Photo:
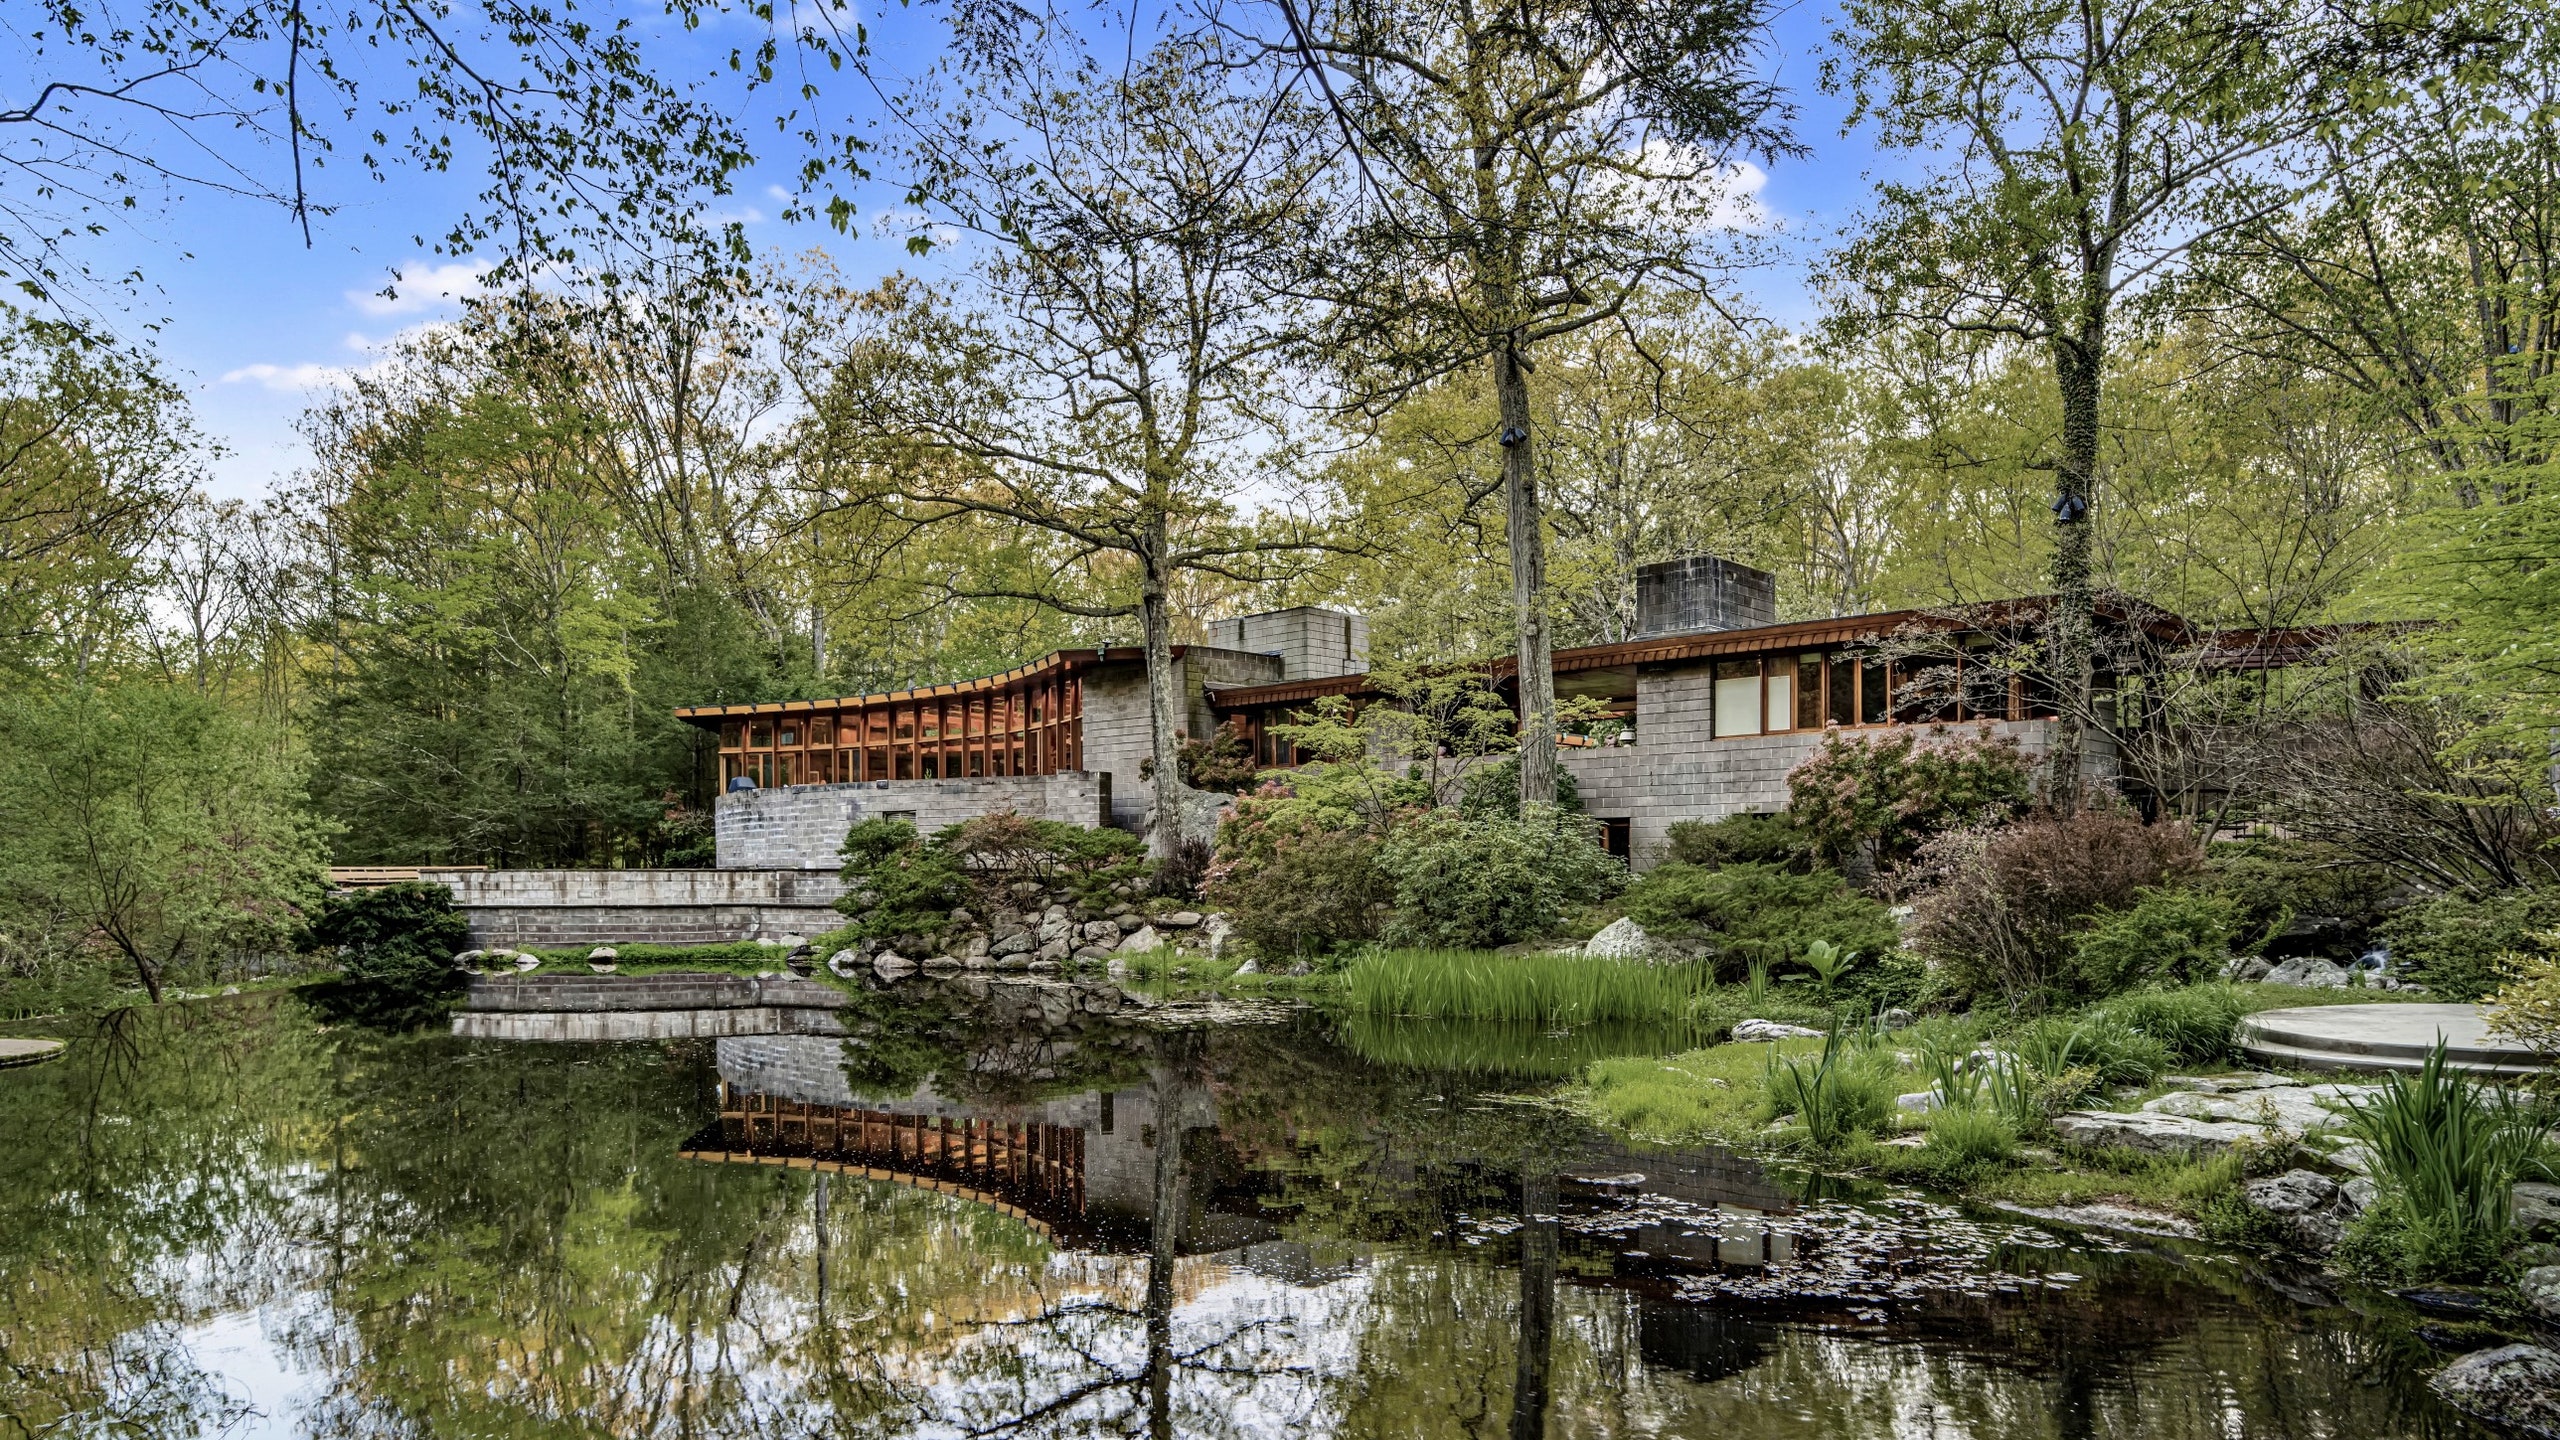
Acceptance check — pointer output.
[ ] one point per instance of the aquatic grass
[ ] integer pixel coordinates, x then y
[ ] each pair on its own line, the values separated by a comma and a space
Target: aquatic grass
1842, 1090
2194, 1022
1548, 990
1715, 1093
1511, 1049
2115, 1052
1966, 1137
2448, 1149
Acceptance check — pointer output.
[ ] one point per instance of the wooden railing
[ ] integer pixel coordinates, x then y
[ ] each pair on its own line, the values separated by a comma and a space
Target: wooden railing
1019, 1167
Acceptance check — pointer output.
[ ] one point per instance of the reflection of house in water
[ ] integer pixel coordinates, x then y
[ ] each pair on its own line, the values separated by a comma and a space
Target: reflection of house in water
1080, 1168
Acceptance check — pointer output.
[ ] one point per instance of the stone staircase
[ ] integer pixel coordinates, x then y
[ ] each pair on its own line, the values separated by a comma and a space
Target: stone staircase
2380, 1037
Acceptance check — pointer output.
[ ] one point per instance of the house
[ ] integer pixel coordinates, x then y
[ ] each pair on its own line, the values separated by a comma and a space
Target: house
1715, 699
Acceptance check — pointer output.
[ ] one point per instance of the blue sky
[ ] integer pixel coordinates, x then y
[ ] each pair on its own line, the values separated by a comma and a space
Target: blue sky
256, 327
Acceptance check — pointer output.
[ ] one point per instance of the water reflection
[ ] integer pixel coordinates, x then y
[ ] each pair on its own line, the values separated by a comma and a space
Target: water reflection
228, 1219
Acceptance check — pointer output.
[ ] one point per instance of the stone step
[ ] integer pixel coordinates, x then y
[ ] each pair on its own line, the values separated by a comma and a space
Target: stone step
2380, 1037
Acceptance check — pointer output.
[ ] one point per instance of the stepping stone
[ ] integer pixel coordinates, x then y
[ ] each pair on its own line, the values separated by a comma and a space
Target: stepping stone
27, 1052
2381, 1037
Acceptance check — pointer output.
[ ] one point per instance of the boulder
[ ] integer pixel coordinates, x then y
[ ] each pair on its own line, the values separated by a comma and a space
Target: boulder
1219, 933
2154, 1133
2314, 1207
942, 964
1053, 951
893, 966
1180, 920
1102, 932
2513, 1385
2295, 1109
1919, 1101
2535, 1207
1772, 1030
976, 949
526, 962
1086, 953
1248, 968
960, 916
469, 959
1012, 942
802, 961
1621, 939
1056, 929
2540, 1287
1897, 1018
2308, 970
1142, 938
843, 964
2247, 968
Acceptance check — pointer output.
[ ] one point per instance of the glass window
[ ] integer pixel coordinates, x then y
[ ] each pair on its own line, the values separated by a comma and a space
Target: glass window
1872, 691
1986, 688
790, 734
1809, 692
731, 734
1844, 691
1924, 690
760, 737
1782, 693
1737, 698
821, 732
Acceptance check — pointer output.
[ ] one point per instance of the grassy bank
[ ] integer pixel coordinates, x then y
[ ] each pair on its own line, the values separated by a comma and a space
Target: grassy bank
1544, 990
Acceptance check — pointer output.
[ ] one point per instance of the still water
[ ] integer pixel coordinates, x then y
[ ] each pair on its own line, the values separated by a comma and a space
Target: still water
228, 1218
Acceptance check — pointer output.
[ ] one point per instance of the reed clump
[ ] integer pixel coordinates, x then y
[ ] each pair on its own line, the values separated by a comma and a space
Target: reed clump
2448, 1149
1548, 990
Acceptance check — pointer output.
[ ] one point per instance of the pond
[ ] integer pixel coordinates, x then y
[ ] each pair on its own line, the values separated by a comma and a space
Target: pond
227, 1218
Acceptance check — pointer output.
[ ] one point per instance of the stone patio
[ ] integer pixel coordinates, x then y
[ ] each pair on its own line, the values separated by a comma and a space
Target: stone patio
2381, 1037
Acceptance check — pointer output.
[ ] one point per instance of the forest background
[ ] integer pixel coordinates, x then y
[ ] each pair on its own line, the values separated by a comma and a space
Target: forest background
2290, 344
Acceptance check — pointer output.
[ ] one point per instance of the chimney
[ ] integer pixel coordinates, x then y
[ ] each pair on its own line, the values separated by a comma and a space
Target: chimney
1702, 592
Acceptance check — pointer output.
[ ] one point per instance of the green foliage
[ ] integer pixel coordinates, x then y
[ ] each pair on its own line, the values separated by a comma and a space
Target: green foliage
1965, 1139
395, 946
1484, 881
1748, 912
2448, 1149
151, 825
1492, 791
2002, 910
2195, 1023
2269, 883
2168, 936
2455, 944
896, 883
1844, 1090
1741, 839
1223, 762
1873, 799
2527, 1004
2111, 1050
1548, 990
1296, 867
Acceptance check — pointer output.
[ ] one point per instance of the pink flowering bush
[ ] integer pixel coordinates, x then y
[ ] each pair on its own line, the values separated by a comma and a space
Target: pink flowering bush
1869, 801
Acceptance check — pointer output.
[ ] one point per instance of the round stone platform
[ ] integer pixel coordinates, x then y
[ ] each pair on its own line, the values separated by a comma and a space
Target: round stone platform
27, 1052
2381, 1037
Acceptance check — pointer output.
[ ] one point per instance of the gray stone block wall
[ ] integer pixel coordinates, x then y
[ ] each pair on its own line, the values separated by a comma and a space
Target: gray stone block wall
1117, 737
802, 826
564, 908
1310, 642
1677, 771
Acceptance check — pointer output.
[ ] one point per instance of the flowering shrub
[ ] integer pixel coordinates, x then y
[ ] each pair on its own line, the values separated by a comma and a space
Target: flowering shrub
1297, 862
1872, 801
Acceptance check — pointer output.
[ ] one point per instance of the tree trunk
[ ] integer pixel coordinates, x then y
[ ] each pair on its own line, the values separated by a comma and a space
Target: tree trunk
1539, 1244
1164, 705
2077, 363
1526, 520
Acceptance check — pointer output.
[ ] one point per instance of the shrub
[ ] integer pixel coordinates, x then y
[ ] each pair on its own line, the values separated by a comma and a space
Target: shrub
1758, 912
2271, 883
2454, 944
1305, 892
2167, 936
1222, 763
2194, 1023
896, 884
1478, 882
1771, 840
395, 946
2111, 1050
1873, 799
1968, 1138
2527, 1006
1493, 790
1843, 1091
2001, 909
2448, 1150
899, 883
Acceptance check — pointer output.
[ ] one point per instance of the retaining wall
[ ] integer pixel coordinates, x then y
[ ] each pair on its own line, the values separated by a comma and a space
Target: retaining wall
560, 908
646, 1007
801, 827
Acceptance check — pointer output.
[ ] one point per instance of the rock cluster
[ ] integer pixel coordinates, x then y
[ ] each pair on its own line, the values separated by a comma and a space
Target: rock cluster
2314, 1207
1039, 927
2212, 1116
2513, 1385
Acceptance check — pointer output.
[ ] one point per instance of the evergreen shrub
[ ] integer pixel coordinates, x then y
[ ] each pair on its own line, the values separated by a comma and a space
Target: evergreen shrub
2455, 945
395, 946
1756, 912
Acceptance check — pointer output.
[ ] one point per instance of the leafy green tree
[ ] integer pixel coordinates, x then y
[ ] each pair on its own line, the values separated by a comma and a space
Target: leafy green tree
151, 825
1525, 174
2088, 151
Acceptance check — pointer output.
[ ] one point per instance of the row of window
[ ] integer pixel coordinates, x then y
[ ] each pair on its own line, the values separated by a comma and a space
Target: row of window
839, 767
886, 728
1773, 693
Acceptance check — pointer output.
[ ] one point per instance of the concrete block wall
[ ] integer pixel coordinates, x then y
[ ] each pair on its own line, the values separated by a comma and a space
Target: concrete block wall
1117, 737
1311, 642
563, 908
802, 826
1678, 771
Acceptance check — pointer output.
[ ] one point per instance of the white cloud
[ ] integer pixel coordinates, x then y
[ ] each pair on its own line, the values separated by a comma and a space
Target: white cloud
1736, 205
290, 379
777, 194
421, 286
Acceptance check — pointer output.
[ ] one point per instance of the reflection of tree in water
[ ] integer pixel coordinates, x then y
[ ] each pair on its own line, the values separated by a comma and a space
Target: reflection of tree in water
1096, 1361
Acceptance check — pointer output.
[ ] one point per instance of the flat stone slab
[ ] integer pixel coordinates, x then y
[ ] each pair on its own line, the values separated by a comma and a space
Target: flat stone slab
2381, 1037
27, 1052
